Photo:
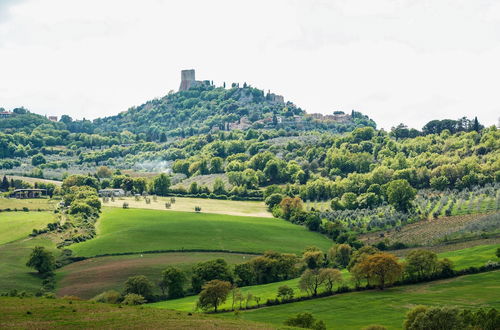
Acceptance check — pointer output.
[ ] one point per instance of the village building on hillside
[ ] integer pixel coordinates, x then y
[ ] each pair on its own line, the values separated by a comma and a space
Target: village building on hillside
5, 114
29, 193
111, 192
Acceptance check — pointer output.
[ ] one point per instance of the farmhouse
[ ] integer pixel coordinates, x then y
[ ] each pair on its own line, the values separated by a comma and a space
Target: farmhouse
28, 193
111, 192
5, 114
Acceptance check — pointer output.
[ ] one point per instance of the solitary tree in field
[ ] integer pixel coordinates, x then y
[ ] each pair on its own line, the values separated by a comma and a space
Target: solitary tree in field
42, 260
214, 293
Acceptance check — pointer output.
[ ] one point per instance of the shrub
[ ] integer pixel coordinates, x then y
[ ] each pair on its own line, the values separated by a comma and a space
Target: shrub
133, 299
374, 327
305, 320
109, 297
125, 205
197, 209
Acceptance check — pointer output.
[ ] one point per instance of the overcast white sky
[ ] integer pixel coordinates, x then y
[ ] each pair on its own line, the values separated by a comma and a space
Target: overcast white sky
396, 61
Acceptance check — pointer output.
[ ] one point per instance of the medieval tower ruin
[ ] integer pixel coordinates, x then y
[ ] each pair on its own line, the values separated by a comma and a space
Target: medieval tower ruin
187, 79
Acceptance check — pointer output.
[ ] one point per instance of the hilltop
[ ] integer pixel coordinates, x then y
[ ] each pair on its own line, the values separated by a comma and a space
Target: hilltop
201, 107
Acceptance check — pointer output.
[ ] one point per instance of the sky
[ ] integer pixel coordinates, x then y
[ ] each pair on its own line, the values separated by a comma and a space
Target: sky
397, 61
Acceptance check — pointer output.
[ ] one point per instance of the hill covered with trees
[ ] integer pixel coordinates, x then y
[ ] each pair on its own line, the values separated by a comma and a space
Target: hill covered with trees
206, 108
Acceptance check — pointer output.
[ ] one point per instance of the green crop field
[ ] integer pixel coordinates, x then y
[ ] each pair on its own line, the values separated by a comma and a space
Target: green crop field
16, 225
243, 208
476, 256
90, 277
138, 230
41, 313
388, 307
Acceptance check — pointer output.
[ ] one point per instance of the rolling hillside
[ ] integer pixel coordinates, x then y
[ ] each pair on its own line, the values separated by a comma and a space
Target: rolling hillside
139, 230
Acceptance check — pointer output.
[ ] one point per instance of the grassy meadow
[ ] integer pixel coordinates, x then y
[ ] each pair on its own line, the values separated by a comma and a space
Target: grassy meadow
90, 277
358, 309
476, 256
241, 208
16, 225
33, 204
13, 257
41, 313
138, 230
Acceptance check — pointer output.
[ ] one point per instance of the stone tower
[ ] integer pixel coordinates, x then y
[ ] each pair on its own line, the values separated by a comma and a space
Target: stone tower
187, 79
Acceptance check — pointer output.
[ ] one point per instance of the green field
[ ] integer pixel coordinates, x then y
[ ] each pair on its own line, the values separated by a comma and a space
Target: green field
41, 313
138, 230
16, 245
16, 225
90, 277
13, 271
33, 204
476, 256
388, 307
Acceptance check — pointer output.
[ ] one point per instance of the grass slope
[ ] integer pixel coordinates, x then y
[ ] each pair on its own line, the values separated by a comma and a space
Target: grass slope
472, 257
33, 204
476, 256
13, 271
137, 230
241, 208
90, 277
64, 314
388, 307
16, 225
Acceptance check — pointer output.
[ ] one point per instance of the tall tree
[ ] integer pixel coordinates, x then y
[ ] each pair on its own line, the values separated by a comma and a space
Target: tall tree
172, 282
214, 293
42, 260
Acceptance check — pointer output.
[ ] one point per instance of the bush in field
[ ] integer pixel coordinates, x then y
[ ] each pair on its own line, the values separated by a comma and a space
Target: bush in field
133, 299
168, 205
109, 297
125, 205
285, 293
139, 285
375, 327
305, 320
197, 208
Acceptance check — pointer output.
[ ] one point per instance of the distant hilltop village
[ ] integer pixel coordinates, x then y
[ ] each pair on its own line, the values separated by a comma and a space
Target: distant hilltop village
188, 80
